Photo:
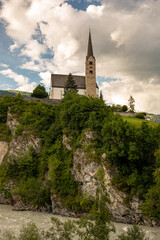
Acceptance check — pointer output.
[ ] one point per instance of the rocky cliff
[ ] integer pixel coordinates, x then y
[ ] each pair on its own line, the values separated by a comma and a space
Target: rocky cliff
84, 170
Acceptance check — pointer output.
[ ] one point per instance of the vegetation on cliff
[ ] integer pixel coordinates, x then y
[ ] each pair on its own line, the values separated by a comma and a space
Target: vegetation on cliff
36, 176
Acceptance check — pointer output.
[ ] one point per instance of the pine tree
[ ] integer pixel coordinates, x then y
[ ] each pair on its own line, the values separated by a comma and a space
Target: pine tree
101, 95
70, 85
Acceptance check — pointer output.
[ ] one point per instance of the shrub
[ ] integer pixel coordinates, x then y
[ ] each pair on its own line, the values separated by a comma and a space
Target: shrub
124, 108
133, 233
30, 232
19, 130
34, 192
3, 112
140, 115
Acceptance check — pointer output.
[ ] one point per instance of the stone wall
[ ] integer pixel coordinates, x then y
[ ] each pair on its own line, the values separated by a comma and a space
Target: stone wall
126, 114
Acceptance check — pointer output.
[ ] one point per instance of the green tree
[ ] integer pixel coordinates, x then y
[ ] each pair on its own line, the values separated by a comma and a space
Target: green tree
39, 92
140, 116
133, 233
70, 85
131, 102
101, 95
151, 207
61, 230
124, 108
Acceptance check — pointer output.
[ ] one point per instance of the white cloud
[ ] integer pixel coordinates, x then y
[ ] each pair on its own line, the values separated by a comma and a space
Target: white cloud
146, 95
31, 65
117, 36
95, 11
4, 65
14, 46
22, 82
22, 16
33, 49
46, 78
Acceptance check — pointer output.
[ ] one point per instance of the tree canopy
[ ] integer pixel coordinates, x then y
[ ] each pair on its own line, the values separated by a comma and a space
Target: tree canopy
39, 92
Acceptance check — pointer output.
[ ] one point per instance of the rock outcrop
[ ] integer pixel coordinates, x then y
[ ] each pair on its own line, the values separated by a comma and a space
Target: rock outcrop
20, 144
11, 123
85, 169
59, 209
3, 150
19, 205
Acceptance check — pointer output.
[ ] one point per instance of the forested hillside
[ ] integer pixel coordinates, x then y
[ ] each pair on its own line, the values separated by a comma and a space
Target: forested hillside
36, 175
14, 93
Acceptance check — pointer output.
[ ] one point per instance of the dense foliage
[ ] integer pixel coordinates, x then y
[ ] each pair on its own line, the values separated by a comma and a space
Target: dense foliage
133, 151
39, 92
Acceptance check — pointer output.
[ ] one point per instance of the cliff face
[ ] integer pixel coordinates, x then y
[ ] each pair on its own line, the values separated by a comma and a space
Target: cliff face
20, 144
17, 145
84, 170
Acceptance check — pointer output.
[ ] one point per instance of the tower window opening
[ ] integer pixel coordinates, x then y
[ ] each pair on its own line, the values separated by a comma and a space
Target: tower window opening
90, 63
90, 71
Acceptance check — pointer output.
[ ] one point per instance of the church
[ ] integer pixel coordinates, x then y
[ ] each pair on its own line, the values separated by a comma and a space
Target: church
86, 84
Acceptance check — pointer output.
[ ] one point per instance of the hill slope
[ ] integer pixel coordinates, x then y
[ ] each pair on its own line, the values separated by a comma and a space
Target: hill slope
14, 93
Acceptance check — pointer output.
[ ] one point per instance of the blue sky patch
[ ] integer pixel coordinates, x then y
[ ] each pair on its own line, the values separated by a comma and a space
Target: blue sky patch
82, 4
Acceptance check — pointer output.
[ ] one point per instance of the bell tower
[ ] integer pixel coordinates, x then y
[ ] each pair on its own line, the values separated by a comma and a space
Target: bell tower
90, 77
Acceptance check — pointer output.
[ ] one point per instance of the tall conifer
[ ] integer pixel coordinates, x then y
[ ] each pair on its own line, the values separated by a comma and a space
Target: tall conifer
70, 85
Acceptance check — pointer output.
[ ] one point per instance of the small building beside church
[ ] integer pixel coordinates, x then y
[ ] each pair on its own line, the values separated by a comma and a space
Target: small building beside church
86, 85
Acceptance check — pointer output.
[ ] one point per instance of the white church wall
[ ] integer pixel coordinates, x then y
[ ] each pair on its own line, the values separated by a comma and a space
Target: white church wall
82, 92
58, 93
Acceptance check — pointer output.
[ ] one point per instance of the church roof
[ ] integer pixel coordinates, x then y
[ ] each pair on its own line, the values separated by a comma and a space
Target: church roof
90, 48
59, 80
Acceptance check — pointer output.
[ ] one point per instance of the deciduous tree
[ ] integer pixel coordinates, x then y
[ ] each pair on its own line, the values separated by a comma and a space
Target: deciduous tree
39, 92
131, 102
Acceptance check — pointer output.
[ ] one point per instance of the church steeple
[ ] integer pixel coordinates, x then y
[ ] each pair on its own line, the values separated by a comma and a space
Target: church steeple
90, 78
90, 49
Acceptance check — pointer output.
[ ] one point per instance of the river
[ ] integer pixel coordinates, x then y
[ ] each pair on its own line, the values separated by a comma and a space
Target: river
13, 220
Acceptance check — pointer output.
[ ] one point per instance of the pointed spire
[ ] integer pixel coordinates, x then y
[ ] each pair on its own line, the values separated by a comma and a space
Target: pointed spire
90, 49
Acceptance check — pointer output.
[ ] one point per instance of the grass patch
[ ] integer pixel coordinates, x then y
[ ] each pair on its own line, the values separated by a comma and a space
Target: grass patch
138, 122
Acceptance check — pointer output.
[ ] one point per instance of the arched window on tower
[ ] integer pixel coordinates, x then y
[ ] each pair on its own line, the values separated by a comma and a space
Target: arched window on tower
90, 63
91, 71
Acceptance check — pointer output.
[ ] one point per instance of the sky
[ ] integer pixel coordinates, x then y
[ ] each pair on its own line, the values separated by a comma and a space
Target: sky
40, 37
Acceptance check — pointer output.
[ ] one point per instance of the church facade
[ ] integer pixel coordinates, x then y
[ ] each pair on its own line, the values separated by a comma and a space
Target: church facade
86, 84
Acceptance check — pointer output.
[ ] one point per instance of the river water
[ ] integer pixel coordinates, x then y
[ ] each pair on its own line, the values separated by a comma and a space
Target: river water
13, 220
